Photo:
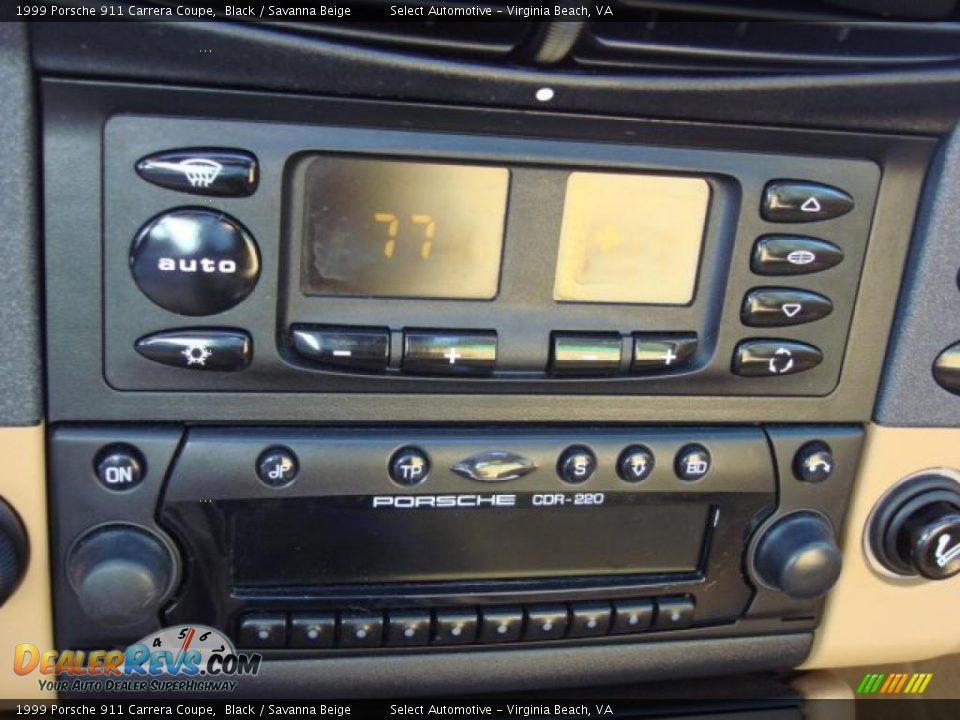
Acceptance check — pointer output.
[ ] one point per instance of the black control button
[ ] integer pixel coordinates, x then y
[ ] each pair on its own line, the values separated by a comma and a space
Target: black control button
455, 627
813, 462
692, 463
431, 352
798, 555
502, 624
674, 613
120, 467
277, 466
585, 354
409, 466
223, 350
408, 627
946, 369
635, 463
545, 622
194, 261
803, 201
262, 630
312, 630
360, 629
777, 307
352, 349
793, 255
630, 616
589, 619
930, 540
576, 464
202, 171
494, 466
765, 358
653, 353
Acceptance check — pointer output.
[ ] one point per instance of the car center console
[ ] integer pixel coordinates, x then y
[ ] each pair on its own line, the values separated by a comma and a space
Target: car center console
391, 389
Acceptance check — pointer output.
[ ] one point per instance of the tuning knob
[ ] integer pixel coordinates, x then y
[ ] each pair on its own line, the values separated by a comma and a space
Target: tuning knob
13, 551
798, 555
121, 574
916, 529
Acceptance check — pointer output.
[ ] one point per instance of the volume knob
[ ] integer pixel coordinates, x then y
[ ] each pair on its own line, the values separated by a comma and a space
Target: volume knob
798, 555
121, 574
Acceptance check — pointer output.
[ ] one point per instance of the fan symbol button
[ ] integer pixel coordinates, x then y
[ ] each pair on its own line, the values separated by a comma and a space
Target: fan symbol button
196, 353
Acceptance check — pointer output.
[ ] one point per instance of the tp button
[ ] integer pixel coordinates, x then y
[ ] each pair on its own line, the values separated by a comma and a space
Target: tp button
409, 466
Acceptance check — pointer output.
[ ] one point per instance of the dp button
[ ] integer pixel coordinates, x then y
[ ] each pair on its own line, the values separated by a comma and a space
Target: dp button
277, 466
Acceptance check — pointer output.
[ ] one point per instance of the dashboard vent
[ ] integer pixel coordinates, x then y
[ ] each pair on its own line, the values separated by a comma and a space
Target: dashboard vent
761, 36
487, 39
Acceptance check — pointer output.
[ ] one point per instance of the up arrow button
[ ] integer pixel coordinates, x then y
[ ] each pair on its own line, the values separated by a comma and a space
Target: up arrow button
803, 201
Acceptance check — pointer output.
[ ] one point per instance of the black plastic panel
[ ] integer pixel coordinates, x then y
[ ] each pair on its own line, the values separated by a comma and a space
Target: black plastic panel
928, 320
523, 313
72, 138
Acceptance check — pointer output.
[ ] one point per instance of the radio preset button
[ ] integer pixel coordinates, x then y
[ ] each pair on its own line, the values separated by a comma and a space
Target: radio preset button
501, 624
692, 463
349, 349
674, 613
262, 630
655, 353
770, 358
635, 463
408, 627
119, 467
312, 630
795, 201
630, 616
589, 619
430, 352
577, 464
793, 255
409, 466
218, 350
360, 629
195, 261
779, 307
455, 627
277, 466
585, 354
202, 171
546, 622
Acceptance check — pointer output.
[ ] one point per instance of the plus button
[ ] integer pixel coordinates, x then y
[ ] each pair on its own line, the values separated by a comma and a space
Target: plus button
452, 355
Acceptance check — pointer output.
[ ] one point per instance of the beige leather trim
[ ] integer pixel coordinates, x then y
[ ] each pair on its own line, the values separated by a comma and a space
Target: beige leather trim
871, 618
26, 617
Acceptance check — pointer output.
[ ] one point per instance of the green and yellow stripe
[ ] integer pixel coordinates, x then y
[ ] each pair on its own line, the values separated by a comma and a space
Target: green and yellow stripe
894, 683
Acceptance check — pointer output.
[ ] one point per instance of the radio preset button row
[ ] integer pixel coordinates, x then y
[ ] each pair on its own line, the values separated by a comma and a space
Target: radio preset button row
352, 629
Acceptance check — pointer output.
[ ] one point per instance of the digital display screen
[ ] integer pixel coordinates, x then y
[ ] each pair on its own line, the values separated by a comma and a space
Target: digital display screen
343, 541
384, 228
631, 238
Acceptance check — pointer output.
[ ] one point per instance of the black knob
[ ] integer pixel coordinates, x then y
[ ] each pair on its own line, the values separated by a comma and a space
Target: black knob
798, 555
916, 529
121, 574
13, 551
